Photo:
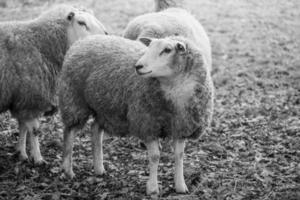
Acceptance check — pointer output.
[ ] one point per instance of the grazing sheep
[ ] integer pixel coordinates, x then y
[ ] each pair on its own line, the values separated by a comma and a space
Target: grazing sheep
31, 57
169, 21
170, 96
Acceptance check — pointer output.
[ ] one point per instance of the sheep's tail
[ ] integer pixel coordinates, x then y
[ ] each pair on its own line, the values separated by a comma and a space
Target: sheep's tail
164, 4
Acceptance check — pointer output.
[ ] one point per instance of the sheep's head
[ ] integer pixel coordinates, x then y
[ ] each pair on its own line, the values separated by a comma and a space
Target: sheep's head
83, 23
166, 57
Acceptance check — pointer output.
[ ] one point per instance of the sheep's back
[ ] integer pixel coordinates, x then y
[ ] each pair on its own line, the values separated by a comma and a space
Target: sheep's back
113, 79
170, 22
156, 25
97, 58
99, 70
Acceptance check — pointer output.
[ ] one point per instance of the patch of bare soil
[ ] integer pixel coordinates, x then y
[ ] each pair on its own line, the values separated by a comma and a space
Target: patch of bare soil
253, 150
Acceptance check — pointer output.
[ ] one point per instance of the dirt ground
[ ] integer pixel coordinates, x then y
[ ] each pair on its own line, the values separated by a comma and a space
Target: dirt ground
253, 150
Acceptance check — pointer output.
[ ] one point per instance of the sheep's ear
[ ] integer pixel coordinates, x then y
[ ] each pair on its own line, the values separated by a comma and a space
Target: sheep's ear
70, 16
145, 41
180, 47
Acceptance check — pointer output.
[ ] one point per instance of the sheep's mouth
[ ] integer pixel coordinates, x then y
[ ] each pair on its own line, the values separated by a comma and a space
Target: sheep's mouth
143, 73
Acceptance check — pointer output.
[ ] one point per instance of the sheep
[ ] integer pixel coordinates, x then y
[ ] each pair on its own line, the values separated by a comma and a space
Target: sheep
164, 4
31, 57
170, 20
169, 96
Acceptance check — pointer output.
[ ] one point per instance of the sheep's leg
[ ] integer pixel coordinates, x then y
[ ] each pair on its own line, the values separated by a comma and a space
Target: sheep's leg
154, 155
32, 127
97, 139
180, 185
69, 137
21, 146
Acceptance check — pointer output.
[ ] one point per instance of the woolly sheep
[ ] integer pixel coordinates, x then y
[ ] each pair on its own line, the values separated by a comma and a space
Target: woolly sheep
31, 57
170, 21
169, 96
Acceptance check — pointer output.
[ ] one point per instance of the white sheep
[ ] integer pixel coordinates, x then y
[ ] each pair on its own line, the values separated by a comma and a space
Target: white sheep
170, 21
31, 57
169, 96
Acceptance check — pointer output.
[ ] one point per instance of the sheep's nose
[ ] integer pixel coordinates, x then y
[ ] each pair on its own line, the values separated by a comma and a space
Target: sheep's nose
138, 67
106, 33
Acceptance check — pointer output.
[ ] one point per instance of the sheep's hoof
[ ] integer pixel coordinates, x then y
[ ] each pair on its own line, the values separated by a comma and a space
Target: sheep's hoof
100, 171
66, 176
22, 157
40, 162
67, 169
69, 174
182, 188
152, 189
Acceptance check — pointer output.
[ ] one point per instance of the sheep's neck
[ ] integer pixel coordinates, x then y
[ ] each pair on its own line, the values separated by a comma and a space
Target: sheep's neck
179, 91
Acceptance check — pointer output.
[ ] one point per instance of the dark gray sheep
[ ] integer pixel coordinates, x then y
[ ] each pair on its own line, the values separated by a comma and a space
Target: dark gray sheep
31, 57
170, 96
165, 4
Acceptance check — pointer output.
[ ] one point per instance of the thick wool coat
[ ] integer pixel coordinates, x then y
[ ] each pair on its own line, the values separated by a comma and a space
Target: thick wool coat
98, 79
31, 56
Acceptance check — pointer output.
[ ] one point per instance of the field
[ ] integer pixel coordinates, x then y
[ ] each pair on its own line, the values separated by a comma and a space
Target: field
253, 149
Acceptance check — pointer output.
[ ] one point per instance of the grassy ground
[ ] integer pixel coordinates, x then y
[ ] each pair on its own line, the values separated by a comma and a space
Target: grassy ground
253, 151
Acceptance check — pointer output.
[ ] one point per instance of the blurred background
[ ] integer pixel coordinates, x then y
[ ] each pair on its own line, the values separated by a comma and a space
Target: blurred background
253, 149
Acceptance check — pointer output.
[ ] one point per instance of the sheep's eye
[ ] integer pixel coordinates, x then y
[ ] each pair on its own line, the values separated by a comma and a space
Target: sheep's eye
166, 50
81, 23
